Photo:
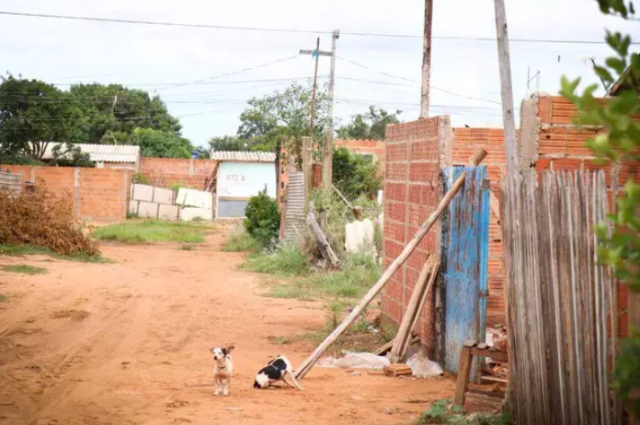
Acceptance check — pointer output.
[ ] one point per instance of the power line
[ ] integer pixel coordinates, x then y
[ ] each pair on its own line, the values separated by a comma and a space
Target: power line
203, 83
229, 73
293, 30
416, 82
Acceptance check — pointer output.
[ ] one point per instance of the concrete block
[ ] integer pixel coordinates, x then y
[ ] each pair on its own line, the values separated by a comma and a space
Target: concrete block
168, 212
195, 198
162, 196
189, 213
133, 207
142, 192
147, 209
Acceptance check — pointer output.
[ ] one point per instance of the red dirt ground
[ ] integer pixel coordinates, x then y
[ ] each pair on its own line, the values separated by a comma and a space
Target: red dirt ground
127, 343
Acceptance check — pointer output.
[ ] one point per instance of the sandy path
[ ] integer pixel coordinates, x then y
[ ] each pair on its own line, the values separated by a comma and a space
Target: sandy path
127, 343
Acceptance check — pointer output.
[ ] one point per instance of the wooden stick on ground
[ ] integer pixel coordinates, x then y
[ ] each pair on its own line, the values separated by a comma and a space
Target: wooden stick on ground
356, 212
306, 366
387, 347
311, 221
410, 318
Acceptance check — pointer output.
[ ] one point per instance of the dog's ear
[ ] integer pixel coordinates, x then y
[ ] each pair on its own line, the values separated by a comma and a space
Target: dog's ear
230, 348
212, 350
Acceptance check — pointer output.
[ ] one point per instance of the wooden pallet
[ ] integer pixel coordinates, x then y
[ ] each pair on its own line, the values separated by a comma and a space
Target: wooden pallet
470, 349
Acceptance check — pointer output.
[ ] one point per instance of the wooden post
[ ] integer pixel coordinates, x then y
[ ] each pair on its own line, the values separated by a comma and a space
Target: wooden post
418, 297
307, 169
510, 143
464, 370
426, 59
306, 366
315, 86
327, 163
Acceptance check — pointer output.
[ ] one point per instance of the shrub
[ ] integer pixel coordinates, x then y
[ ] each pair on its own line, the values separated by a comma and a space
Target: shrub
263, 218
140, 178
355, 175
43, 219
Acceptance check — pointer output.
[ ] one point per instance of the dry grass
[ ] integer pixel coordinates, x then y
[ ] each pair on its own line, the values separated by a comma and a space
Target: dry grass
42, 219
75, 315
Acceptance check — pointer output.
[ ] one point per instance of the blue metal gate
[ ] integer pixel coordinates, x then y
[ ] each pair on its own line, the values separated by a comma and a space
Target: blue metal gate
465, 250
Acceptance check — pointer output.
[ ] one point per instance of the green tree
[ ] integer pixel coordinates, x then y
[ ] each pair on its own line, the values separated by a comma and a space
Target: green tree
112, 111
371, 125
619, 143
229, 143
160, 144
355, 175
32, 115
283, 118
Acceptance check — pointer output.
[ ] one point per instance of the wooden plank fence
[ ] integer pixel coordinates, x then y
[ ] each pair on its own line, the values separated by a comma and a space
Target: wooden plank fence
560, 301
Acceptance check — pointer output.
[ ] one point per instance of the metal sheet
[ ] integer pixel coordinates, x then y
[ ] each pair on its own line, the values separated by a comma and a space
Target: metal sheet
231, 208
294, 213
465, 254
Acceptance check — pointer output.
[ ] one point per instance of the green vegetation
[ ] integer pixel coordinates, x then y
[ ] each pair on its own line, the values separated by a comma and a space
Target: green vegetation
240, 241
22, 250
4, 298
263, 218
149, 231
24, 269
140, 178
355, 175
286, 260
441, 412
619, 143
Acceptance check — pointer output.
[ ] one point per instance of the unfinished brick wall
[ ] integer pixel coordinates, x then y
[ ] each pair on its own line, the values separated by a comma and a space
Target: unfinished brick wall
561, 146
98, 194
165, 172
413, 189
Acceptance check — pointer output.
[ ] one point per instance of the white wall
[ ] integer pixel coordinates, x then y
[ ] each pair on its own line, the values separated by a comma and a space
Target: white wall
242, 180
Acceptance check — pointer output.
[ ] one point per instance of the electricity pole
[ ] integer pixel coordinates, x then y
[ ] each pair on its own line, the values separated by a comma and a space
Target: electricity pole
426, 59
327, 169
506, 89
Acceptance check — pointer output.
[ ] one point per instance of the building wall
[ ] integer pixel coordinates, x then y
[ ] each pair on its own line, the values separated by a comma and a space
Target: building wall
165, 172
374, 147
97, 194
413, 189
561, 146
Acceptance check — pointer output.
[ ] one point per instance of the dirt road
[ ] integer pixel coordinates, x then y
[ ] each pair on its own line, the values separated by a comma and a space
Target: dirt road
127, 343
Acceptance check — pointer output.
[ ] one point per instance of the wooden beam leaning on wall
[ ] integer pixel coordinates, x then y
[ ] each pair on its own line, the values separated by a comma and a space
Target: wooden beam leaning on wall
306, 366
418, 298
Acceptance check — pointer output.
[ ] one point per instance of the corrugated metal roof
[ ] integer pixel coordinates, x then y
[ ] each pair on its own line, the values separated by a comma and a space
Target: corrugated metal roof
243, 156
104, 153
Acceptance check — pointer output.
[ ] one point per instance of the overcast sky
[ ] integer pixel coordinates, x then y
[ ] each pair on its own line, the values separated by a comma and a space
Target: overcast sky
154, 57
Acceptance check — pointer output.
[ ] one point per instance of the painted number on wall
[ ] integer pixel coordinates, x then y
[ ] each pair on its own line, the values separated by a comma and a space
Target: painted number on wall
236, 178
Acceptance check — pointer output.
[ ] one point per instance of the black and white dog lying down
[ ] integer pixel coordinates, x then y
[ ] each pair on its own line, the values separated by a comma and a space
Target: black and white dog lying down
276, 370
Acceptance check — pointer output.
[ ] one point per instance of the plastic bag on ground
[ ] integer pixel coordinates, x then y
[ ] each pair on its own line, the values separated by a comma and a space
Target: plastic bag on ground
422, 367
355, 361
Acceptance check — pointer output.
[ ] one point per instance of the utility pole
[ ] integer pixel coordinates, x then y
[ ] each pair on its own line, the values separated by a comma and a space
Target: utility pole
426, 59
327, 168
506, 89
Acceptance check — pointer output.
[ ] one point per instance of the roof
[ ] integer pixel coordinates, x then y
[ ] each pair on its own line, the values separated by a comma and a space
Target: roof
104, 153
243, 156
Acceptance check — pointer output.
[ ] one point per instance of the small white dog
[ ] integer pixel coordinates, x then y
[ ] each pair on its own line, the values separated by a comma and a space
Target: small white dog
222, 369
276, 370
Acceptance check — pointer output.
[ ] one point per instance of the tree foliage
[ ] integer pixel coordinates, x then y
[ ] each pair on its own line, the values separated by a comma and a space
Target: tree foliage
283, 118
355, 175
262, 220
371, 125
229, 143
160, 144
618, 143
113, 110
32, 115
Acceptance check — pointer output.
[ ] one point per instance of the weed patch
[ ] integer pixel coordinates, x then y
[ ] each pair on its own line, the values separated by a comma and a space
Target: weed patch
25, 269
23, 250
442, 412
4, 299
150, 231
287, 260
241, 241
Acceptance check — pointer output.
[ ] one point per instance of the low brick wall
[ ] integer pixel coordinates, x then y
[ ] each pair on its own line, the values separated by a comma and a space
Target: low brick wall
98, 194
165, 172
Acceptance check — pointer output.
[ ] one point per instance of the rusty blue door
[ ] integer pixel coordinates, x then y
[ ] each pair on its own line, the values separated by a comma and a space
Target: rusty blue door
465, 246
